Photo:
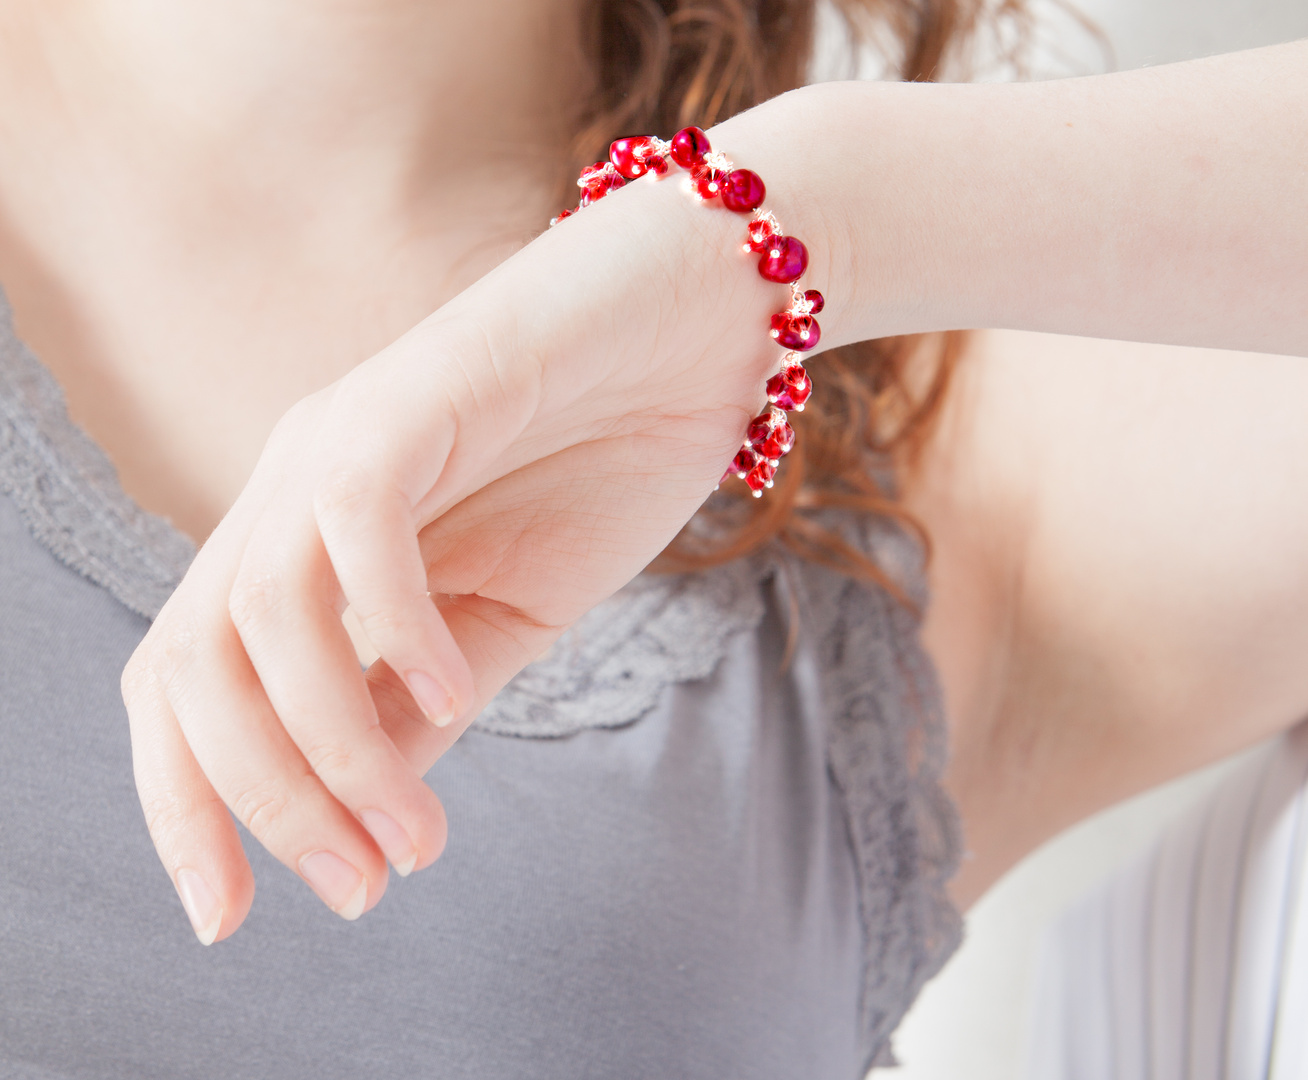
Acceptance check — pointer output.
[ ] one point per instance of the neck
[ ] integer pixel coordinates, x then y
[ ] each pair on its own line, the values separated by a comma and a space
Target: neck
233, 202
405, 96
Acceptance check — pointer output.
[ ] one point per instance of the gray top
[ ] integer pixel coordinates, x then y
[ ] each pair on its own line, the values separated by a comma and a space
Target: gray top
674, 850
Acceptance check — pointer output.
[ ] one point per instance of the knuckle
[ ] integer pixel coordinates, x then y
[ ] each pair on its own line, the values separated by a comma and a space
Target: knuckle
166, 816
261, 809
254, 598
387, 622
176, 646
327, 759
343, 492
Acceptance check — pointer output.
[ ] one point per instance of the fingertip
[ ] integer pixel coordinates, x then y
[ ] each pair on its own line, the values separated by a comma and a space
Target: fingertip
436, 847
354, 907
435, 701
340, 885
201, 904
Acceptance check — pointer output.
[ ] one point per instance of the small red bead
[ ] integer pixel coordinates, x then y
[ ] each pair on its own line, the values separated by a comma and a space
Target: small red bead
745, 460
629, 156
689, 147
816, 301
781, 443
760, 232
743, 191
597, 181
784, 260
658, 163
770, 435
706, 182
760, 476
800, 332
790, 388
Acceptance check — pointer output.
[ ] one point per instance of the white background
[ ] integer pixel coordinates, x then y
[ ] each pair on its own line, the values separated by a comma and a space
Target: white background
970, 1022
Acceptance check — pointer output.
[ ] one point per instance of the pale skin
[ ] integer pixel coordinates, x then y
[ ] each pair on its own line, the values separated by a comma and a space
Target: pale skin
1119, 586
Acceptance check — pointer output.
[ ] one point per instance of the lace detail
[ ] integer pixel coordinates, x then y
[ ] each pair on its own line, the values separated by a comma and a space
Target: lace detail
887, 751
68, 492
610, 668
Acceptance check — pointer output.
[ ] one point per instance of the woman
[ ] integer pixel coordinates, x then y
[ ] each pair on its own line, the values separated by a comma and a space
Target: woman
734, 860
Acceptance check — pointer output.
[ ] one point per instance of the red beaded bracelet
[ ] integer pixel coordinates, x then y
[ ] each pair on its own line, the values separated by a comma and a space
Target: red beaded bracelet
769, 436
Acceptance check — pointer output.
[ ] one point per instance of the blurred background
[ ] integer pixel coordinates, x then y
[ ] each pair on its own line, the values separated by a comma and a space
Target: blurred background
971, 1022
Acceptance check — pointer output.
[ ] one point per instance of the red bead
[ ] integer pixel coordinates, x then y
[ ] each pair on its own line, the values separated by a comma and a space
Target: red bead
658, 163
689, 147
706, 182
800, 332
745, 460
760, 232
784, 260
770, 435
760, 476
790, 389
597, 181
629, 156
743, 191
815, 300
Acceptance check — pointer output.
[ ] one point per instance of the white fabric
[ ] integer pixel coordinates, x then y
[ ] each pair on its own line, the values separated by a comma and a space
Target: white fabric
1192, 963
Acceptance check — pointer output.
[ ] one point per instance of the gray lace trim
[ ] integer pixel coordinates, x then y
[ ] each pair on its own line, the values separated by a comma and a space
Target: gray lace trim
610, 668
68, 492
887, 750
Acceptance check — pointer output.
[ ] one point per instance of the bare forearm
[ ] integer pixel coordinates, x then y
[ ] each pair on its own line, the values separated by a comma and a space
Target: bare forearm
1168, 205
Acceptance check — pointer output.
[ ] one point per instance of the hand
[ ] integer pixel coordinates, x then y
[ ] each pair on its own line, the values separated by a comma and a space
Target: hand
470, 492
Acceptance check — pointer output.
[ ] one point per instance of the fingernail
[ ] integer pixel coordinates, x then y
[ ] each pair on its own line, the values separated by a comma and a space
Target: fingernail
338, 884
202, 906
432, 698
392, 839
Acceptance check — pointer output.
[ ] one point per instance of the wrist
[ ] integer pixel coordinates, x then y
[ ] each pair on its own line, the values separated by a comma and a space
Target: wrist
850, 170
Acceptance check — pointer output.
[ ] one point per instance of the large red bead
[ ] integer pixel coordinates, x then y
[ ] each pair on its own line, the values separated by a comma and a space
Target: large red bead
816, 301
790, 388
784, 260
706, 182
689, 147
629, 156
800, 332
760, 232
760, 476
743, 191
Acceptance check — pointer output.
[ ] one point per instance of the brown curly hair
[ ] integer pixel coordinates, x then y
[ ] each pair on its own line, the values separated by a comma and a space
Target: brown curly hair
664, 64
